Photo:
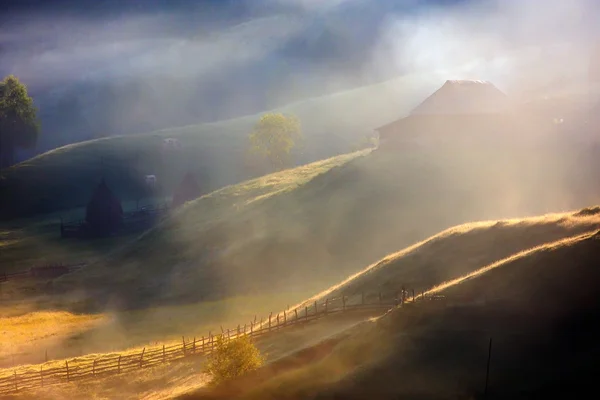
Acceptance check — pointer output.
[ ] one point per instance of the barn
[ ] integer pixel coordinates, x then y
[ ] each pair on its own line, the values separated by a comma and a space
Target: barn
461, 112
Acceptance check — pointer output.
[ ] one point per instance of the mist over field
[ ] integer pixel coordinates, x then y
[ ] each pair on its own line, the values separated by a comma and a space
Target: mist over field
121, 68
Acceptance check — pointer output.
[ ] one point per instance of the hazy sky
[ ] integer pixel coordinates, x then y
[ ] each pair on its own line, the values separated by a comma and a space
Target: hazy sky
242, 56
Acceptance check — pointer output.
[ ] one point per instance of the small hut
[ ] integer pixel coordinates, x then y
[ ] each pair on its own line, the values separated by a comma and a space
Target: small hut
104, 213
188, 189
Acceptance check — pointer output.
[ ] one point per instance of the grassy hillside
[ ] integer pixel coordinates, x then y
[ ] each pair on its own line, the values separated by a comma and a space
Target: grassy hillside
540, 311
313, 226
462, 249
64, 178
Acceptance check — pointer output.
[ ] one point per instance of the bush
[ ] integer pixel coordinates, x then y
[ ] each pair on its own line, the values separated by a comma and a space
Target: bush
232, 358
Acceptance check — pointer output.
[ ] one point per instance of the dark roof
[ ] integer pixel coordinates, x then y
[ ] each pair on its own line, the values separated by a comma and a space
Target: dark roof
461, 97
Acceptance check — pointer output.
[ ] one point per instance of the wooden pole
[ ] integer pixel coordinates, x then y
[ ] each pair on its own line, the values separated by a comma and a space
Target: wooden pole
487, 372
67, 366
284, 318
194, 346
316, 307
142, 358
296, 314
202, 348
413, 293
41, 376
277, 321
244, 329
270, 315
119, 362
305, 312
164, 355
94, 367
183, 344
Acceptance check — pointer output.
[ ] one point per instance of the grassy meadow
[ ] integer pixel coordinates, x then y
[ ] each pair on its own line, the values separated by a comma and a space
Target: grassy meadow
533, 312
64, 178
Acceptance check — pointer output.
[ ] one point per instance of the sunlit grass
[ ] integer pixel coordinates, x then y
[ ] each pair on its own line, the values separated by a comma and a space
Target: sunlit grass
25, 332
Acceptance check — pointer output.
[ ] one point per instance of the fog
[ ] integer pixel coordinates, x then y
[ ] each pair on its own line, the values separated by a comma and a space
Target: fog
135, 70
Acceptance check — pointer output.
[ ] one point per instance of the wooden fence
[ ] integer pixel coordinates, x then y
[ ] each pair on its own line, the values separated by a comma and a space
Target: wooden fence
76, 370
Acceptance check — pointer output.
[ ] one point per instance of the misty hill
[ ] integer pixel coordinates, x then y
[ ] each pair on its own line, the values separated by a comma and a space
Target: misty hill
64, 178
311, 232
540, 310
461, 250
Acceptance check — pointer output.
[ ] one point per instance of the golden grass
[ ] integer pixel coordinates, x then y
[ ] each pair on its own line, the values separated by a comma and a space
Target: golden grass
468, 241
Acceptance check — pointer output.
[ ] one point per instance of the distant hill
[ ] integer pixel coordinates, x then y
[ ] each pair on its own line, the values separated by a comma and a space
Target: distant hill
64, 178
315, 225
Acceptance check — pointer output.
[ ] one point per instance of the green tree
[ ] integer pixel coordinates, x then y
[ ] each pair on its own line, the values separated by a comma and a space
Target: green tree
232, 358
19, 126
273, 138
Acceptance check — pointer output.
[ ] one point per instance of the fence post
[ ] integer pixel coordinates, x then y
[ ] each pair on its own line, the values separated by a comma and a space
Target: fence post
296, 314
238, 330
94, 368
244, 329
315, 307
142, 357
164, 355
413, 293
306, 312
41, 376
194, 346
277, 321
119, 363
270, 315
284, 318
228, 334
16, 382
67, 366
202, 348
183, 344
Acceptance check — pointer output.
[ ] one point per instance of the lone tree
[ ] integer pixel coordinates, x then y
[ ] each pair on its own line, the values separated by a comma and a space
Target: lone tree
188, 189
19, 126
104, 213
273, 138
231, 359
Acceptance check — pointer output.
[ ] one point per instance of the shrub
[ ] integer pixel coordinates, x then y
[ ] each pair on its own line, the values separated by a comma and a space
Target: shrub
232, 358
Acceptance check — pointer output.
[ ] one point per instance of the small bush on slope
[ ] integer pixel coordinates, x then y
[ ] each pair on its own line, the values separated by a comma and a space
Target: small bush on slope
231, 359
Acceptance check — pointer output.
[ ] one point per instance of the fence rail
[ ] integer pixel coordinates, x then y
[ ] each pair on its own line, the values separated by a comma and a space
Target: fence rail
74, 370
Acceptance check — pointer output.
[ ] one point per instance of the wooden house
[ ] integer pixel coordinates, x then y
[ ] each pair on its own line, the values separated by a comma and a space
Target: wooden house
460, 113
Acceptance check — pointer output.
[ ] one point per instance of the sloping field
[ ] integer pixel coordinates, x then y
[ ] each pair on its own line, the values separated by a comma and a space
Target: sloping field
64, 178
309, 227
461, 250
540, 311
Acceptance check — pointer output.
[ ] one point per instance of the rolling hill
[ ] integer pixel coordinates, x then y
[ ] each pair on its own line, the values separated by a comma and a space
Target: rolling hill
63, 178
540, 310
310, 227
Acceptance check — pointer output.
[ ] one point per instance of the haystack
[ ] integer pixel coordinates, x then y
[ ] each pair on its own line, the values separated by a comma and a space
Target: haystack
104, 213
